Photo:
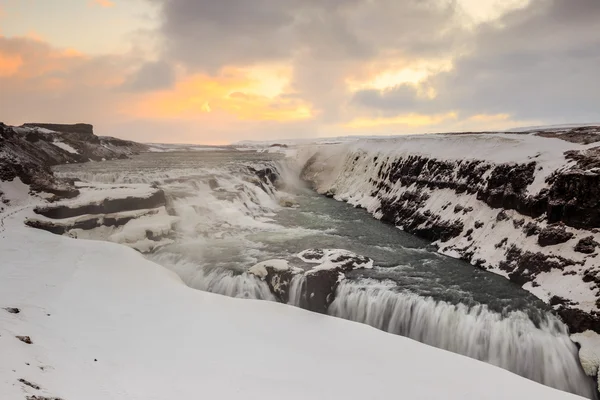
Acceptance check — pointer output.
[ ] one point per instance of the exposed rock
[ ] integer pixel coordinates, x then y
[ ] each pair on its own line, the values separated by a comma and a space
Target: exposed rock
108, 206
502, 216
13, 310
322, 281
586, 245
518, 223
523, 267
278, 275
502, 243
24, 339
552, 235
317, 285
531, 229
583, 134
579, 321
557, 300
82, 129
30, 384
34, 397
213, 183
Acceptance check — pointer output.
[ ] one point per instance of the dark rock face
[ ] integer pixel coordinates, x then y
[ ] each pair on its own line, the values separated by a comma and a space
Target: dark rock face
279, 283
583, 134
22, 159
30, 384
574, 199
319, 284
523, 266
586, 245
552, 235
108, 206
319, 290
579, 321
25, 339
90, 223
83, 129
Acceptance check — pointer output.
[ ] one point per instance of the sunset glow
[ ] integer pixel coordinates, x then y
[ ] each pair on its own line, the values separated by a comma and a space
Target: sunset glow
392, 68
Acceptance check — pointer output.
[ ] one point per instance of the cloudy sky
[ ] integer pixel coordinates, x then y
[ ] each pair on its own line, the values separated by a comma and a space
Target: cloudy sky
218, 71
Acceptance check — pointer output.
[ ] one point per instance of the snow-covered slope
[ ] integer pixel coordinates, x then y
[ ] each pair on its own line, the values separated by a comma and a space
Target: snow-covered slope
104, 323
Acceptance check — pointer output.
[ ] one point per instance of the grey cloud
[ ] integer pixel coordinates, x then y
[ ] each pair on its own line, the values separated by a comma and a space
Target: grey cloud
539, 62
542, 64
209, 34
399, 98
151, 76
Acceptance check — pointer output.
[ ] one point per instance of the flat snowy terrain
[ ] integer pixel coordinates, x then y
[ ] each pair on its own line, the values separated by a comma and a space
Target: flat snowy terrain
105, 323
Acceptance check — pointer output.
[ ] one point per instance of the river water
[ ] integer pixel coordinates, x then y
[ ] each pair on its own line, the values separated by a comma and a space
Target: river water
229, 221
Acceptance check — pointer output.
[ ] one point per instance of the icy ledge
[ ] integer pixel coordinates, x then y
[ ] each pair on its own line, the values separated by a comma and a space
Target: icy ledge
105, 323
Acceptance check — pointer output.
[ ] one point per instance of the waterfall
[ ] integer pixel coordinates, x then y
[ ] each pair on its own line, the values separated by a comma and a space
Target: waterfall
296, 289
544, 354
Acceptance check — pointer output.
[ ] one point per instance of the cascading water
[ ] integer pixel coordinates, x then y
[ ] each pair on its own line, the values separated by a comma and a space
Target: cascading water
230, 217
543, 353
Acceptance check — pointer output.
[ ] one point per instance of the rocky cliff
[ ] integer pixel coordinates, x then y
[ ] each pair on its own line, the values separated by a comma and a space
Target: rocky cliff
27, 153
525, 206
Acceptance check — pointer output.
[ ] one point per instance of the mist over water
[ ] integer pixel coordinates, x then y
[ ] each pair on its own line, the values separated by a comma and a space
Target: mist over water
231, 218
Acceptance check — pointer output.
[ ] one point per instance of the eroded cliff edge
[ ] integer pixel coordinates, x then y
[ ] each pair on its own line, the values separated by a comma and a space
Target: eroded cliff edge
525, 206
27, 153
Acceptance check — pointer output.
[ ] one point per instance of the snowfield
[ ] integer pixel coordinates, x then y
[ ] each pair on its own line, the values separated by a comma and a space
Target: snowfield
105, 323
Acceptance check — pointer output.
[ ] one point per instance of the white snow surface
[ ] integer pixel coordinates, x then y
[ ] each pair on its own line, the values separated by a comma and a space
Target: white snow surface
65, 147
329, 259
496, 148
98, 192
15, 191
260, 269
108, 324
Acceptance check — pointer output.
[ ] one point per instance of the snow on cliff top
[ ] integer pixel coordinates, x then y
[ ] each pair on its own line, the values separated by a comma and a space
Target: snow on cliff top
497, 148
105, 323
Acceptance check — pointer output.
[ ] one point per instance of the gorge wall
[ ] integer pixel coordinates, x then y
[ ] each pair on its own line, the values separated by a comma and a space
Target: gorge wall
525, 206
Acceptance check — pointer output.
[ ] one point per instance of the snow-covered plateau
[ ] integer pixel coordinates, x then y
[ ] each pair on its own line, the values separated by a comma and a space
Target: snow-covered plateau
95, 319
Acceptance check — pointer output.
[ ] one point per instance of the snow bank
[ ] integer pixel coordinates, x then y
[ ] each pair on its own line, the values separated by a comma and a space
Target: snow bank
16, 192
260, 269
334, 258
65, 147
107, 324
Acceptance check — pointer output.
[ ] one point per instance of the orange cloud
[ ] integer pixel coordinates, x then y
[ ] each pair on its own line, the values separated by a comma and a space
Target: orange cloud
30, 61
235, 93
408, 120
9, 64
103, 3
